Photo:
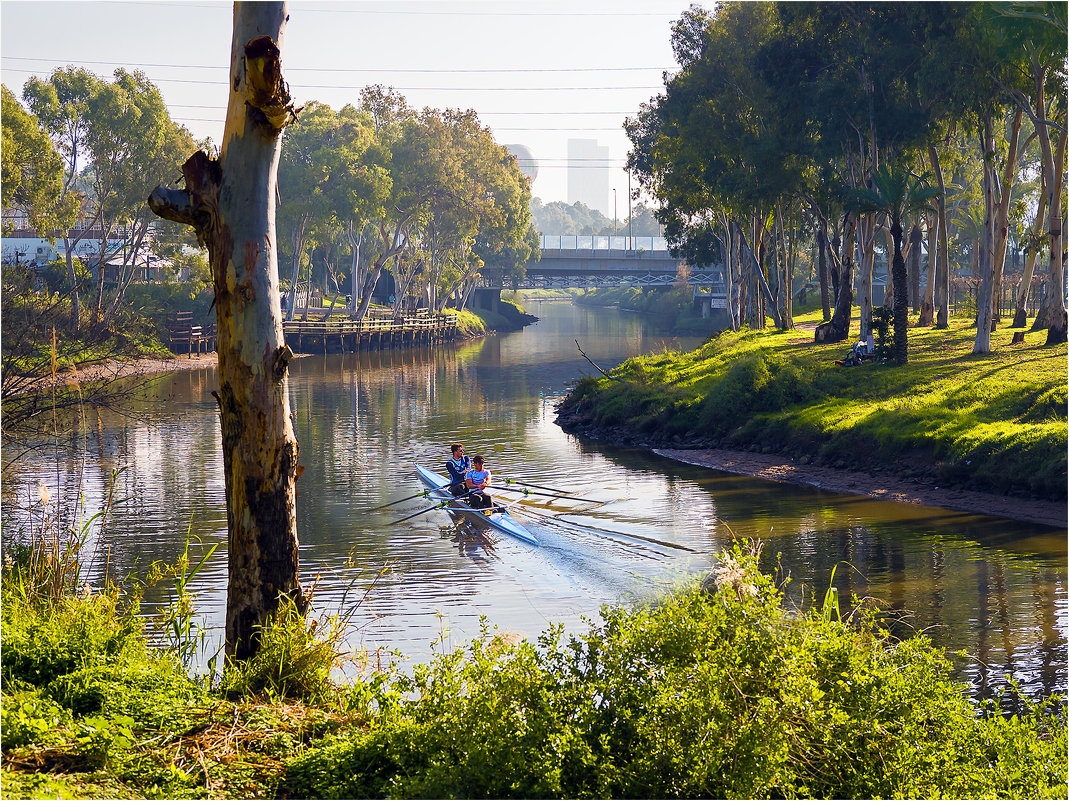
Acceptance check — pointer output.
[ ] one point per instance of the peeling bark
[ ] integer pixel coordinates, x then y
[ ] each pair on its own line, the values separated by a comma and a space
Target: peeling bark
230, 203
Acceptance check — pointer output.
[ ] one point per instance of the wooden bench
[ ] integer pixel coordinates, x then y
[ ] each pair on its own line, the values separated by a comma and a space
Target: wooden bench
184, 334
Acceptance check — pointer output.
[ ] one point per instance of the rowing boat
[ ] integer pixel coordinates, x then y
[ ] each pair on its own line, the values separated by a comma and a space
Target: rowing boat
499, 520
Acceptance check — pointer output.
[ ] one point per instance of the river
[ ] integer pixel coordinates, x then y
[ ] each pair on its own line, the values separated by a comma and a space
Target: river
993, 588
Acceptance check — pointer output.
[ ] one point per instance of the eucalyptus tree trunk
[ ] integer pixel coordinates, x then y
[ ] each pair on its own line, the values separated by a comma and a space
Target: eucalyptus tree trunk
1055, 306
392, 245
297, 240
838, 328
230, 202
1020, 315
729, 250
866, 249
927, 313
942, 270
757, 316
1002, 220
915, 239
984, 319
822, 266
899, 281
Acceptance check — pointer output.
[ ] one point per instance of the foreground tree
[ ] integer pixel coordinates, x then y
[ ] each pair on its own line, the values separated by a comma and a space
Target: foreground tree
230, 202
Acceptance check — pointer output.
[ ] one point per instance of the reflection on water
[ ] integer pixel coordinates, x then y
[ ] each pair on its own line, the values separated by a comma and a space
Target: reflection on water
995, 588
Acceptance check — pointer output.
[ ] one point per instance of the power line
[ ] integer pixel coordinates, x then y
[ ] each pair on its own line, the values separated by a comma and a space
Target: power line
296, 85
377, 71
414, 13
487, 113
494, 127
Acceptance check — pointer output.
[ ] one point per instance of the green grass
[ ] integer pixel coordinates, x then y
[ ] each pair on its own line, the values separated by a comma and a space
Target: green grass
994, 421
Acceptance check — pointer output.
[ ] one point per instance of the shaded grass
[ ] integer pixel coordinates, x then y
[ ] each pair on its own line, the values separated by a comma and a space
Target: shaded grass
993, 421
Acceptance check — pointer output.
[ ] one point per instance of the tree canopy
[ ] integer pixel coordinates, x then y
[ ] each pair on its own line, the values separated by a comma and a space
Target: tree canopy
780, 110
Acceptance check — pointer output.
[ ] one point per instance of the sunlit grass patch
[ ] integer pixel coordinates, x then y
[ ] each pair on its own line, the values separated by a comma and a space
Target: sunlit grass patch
995, 420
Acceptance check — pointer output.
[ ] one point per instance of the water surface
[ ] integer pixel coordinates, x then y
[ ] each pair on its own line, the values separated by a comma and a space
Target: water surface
991, 587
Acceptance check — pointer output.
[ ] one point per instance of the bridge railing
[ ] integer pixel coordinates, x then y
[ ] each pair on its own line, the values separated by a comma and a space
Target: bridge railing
612, 244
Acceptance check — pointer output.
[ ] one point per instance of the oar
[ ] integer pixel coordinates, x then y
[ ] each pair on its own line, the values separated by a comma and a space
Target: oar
423, 493
536, 486
440, 505
603, 532
526, 491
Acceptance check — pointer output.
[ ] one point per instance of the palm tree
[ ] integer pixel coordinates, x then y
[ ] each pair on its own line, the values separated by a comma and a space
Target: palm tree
895, 192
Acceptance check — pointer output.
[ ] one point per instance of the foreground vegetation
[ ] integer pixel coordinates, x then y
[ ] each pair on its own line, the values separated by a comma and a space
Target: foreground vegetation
995, 421
716, 690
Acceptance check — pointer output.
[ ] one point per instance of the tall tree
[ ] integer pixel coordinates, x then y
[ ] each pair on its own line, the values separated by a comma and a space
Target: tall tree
32, 178
62, 105
896, 194
230, 202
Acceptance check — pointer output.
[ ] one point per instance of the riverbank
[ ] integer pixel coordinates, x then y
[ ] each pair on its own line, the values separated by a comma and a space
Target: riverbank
883, 487
974, 433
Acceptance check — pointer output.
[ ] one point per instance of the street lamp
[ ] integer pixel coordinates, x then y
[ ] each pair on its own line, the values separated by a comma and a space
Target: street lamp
614, 231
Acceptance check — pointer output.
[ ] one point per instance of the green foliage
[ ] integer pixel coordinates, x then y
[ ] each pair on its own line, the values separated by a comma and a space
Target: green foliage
32, 179
881, 324
709, 693
468, 323
44, 642
29, 718
294, 659
754, 383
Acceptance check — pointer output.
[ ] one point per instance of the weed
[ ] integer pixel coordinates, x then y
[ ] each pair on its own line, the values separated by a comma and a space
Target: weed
295, 659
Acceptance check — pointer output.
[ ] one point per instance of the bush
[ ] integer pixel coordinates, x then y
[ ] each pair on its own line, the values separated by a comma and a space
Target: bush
755, 382
718, 693
43, 643
294, 661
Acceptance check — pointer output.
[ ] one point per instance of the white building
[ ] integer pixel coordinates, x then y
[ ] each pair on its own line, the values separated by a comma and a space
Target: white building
25, 247
588, 175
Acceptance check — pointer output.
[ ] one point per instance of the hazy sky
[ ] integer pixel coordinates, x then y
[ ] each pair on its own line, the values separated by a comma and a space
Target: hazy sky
537, 73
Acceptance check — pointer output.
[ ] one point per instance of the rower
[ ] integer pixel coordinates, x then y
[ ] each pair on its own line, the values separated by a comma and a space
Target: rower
477, 482
458, 468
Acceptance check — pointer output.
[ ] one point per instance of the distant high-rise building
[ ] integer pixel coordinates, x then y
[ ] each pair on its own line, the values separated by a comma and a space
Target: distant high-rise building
588, 175
526, 160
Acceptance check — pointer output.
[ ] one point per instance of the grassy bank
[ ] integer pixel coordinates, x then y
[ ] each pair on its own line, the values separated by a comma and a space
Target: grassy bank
994, 422
716, 690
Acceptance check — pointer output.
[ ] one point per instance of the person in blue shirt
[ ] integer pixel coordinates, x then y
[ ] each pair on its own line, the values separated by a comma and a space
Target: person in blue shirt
458, 468
477, 482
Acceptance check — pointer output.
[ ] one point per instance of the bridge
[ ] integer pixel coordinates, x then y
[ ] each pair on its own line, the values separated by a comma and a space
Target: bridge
588, 262
592, 262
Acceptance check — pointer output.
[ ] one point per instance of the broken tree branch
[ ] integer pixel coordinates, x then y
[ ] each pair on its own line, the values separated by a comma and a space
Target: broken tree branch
610, 377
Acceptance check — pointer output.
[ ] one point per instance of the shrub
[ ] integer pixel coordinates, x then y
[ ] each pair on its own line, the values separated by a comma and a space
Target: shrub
295, 659
719, 693
42, 643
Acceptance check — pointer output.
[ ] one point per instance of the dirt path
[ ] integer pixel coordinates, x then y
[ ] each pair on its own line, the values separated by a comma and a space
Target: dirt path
779, 468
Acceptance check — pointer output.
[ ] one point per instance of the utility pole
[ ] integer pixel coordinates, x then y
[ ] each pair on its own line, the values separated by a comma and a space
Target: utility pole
630, 216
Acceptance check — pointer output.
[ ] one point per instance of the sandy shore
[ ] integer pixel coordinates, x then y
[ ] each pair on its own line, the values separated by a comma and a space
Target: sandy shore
884, 487
134, 367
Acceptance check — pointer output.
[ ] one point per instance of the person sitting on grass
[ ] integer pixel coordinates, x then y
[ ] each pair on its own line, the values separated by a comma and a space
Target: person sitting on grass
477, 481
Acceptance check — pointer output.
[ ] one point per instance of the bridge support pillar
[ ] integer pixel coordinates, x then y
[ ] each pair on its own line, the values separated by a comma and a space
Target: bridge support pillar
486, 299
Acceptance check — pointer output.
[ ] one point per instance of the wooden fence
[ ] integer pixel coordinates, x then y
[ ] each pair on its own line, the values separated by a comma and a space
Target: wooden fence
186, 335
376, 331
